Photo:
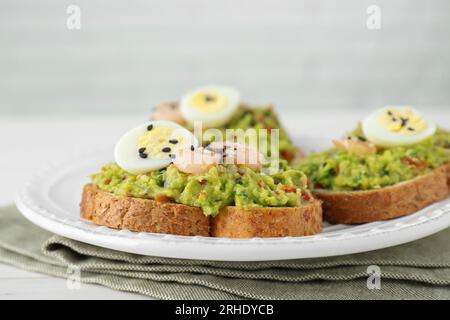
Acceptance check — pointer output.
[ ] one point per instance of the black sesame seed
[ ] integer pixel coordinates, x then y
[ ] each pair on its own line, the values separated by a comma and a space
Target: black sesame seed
141, 150
390, 112
209, 98
173, 141
192, 148
149, 127
143, 155
166, 149
361, 138
410, 129
171, 156
404, 121
394, 119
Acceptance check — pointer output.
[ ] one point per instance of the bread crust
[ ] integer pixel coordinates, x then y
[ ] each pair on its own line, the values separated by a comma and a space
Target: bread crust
145, 215
233, 222
404, 198
141, 215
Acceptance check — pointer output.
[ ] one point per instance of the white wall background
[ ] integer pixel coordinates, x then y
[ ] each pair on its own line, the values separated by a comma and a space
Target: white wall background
129, 55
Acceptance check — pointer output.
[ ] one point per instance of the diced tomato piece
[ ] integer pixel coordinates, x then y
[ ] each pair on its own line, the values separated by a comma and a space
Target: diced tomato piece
418, 163
306, 196
318, 186
162, 198
289, 189
287, 155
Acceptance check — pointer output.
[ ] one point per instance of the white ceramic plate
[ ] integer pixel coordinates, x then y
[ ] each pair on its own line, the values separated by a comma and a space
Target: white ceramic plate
51, 200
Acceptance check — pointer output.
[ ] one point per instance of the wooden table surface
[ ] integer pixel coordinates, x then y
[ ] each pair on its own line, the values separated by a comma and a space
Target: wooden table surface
28, 143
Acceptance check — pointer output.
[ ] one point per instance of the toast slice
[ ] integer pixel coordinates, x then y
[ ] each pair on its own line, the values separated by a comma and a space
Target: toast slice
141, 215
354, 207
144, 215
233, 222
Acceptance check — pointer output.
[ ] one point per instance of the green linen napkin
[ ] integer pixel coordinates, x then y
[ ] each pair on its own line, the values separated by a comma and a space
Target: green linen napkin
418, 270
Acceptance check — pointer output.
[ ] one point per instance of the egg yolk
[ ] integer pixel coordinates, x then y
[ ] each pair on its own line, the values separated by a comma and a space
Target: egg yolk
160, 143
209, 102
404, 121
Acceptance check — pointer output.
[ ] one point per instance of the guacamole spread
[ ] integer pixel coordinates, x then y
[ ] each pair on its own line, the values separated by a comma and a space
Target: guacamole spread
262, 118
222, 185
340, 171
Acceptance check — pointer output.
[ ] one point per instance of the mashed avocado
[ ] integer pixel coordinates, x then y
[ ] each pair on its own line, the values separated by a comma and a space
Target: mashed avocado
262, 118
339, 171
222, 185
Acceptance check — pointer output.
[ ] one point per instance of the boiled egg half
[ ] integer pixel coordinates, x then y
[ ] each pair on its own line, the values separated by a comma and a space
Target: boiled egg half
397, 126
151, 146
211, 105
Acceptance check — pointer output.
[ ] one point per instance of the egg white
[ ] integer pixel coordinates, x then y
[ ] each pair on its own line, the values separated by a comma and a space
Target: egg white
210, 119
383, 137
126, 152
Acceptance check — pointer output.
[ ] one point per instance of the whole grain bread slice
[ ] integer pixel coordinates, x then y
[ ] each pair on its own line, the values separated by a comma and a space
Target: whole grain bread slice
141, 215
404, 198
144, 215
233, 222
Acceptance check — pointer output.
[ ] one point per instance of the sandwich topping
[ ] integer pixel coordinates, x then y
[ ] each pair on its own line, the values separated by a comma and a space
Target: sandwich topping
238, 154
397, 126
360, 163
403, 121
220, 107
355, 145
151, 146
163, 161
195, 160
208, 101
199, 160
168, 111
257, 118
212, 105
211, 190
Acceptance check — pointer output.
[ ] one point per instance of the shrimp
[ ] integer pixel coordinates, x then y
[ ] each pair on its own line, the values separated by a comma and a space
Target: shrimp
195, 160
239, 154
356, 145
168, 111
